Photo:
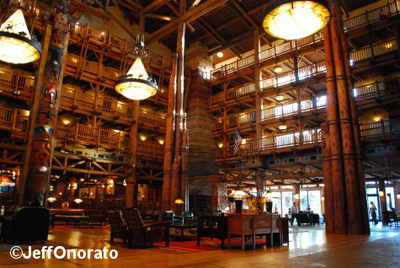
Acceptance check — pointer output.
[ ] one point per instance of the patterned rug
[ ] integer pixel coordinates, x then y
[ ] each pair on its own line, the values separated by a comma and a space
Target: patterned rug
206, 244
71, 227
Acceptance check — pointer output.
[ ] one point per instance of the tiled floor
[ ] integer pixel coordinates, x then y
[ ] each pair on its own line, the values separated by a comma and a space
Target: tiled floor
309, 247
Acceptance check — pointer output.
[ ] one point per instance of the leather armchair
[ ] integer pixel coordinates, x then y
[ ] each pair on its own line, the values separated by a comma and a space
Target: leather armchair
27, 224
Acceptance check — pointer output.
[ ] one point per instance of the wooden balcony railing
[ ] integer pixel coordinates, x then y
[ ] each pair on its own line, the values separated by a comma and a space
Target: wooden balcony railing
377, 89
381, 129
110, 106
105, 138
305, 72
372, 16
279, 141
371, 90
367, 18
10, 119
15, 83
118, 45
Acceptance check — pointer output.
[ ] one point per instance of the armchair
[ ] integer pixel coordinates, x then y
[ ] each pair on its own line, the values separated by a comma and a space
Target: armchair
144, 234
27, 224
119, 229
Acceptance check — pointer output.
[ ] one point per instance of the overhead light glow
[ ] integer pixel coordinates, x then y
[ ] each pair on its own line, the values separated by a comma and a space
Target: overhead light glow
220, 54
279, 97
136, 85
16, 44
278, 69
282, 127
289, 20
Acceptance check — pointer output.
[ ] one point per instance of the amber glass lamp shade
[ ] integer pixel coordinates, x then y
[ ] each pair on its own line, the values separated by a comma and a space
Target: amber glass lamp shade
290, 20
16, 44
136, 85
179, 201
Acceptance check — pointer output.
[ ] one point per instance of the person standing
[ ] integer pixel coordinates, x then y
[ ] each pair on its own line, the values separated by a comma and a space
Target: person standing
372, 211
295, 210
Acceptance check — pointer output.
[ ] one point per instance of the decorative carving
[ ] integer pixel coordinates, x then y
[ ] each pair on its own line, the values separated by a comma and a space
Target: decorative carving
40, 159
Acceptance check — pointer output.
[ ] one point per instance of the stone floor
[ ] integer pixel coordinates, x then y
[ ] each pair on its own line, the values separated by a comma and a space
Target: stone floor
309, 247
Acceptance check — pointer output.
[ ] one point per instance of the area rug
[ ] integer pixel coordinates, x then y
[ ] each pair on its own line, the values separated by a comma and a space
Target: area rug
206, 244
72, 227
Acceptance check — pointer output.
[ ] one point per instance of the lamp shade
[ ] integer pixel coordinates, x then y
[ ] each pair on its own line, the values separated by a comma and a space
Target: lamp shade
51, 199
16, 44
78, 200
239, 194
136, 85
179, 201
282, 127
289, 20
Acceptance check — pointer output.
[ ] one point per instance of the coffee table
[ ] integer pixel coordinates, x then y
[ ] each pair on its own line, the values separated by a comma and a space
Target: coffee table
182, 228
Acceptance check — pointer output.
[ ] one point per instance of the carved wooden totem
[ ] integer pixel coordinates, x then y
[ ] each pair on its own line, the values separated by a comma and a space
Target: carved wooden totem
40, 160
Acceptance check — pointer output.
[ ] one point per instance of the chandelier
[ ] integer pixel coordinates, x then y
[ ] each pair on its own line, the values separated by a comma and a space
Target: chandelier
289, 20
16, 44
137, 84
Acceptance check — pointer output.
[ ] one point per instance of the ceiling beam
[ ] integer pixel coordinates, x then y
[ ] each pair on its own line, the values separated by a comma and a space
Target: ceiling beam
149, 7
188, 17
244, 13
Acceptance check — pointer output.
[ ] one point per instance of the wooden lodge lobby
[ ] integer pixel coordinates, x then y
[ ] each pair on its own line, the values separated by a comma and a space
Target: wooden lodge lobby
199, 133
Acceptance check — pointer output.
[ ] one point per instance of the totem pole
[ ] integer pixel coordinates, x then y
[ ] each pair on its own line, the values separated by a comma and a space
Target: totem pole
45, 121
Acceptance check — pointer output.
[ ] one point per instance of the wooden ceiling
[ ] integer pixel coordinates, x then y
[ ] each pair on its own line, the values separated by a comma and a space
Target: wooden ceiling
221, 25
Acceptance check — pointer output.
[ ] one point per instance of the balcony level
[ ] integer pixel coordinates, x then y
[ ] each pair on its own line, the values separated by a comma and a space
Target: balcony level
364, 58
370, 95
365, 23
385, 130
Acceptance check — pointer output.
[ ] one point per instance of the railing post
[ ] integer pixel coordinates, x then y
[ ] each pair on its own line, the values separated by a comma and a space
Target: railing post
14, 119
75, 95
383, 127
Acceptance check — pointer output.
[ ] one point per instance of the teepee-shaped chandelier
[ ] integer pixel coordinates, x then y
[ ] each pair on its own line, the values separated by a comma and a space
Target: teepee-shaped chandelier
137, 84
16, 44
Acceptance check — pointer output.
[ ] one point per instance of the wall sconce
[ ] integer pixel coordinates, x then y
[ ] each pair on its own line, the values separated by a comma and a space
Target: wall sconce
381, 193
398, 195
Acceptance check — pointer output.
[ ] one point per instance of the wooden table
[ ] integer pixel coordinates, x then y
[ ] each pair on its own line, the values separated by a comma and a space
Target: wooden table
182, 228
253, 224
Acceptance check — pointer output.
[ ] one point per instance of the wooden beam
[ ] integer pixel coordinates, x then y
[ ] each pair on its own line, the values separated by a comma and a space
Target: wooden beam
159, 17
150, 7
187, 17
94, 11
244, 12
232, 42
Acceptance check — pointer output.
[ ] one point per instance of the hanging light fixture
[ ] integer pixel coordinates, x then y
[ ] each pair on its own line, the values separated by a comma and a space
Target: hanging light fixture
137, 84
220, 54
289, 20
16, 44
279, 97
278, 69
282, 127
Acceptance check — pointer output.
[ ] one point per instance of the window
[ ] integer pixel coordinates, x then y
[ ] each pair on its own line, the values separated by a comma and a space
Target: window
312, 198
287, 200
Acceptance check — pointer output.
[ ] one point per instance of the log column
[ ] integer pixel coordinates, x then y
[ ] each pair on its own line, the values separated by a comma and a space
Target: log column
260, 183
257, 78
382, 199
169, 138
37, 166
131, 179
180, 115
343, 171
